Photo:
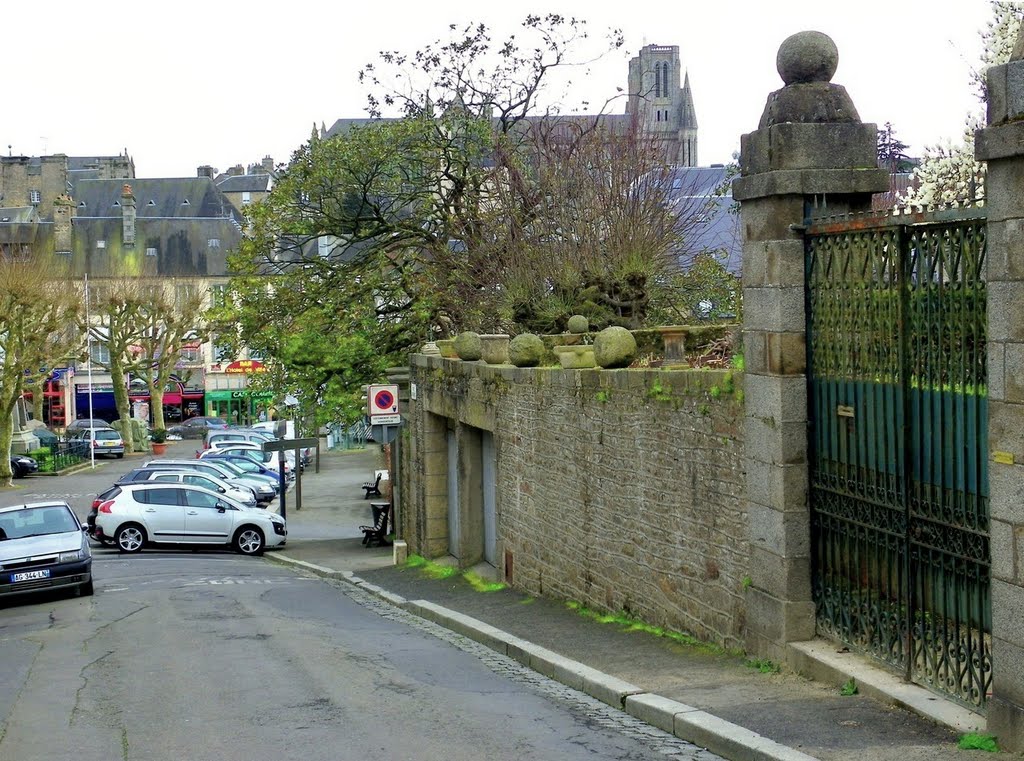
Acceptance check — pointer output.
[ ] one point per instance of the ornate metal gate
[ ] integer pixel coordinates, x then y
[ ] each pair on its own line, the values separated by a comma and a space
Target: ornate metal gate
896, 326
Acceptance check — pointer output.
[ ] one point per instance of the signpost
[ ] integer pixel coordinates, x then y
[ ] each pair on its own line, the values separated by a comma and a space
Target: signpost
281, 446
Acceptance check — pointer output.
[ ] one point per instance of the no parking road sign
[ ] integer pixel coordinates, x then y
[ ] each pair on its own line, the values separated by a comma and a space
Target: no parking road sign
382, 405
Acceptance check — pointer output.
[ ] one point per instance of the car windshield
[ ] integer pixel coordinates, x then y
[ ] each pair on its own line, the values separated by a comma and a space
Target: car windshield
229, 466
37, 521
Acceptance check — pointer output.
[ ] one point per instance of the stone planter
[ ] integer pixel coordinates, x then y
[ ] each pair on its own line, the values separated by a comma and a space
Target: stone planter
575, 357
447, 348
494, 348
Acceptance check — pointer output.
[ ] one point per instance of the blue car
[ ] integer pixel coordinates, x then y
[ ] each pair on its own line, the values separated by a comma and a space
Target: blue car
248, 464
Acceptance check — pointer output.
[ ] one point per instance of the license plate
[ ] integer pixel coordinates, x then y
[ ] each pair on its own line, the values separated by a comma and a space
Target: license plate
108, 443
29, 575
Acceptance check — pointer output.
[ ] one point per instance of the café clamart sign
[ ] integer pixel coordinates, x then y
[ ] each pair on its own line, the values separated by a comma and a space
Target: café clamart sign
245, 367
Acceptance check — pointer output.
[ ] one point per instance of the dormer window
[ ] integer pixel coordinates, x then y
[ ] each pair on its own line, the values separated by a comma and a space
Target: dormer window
35, 197
185, 203
151, 202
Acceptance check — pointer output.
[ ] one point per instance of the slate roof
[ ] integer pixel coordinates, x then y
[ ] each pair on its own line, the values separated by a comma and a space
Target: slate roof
177, 198
240, 183
720, 231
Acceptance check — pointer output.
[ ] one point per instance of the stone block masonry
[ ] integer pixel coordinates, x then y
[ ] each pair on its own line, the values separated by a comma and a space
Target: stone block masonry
622, 490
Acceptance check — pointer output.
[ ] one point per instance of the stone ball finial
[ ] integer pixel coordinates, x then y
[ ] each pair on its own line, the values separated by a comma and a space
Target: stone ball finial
807, 57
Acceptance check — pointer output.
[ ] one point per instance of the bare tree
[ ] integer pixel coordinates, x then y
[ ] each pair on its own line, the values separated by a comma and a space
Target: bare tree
39, 329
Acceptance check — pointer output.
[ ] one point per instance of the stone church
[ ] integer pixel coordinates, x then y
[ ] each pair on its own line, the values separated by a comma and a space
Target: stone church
659, 95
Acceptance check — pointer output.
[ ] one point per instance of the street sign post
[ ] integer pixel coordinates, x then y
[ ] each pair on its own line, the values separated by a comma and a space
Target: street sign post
281, 446
382, 405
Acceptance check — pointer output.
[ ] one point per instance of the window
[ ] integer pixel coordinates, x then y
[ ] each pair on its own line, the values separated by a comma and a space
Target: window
99, 354
101, 244
191, 355
200, 499
213, 243
151, 252
246, 197
221, 352
218, 295
159, 496
659, 116
35, 197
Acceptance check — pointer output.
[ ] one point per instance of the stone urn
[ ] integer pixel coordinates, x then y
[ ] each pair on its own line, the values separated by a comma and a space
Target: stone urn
494, 348
575, 357
446, 347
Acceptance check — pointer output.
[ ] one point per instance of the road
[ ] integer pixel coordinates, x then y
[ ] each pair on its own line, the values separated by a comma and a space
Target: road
211, 655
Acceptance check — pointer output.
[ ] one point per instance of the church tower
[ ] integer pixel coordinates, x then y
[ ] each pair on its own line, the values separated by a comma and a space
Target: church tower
664, 107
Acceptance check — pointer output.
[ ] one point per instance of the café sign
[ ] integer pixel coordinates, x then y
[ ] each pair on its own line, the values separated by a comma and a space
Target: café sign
245, 367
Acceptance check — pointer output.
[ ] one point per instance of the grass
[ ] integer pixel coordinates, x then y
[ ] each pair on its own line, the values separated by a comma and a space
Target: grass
440, 571
764, 665
631, 624
848, 689
974, 741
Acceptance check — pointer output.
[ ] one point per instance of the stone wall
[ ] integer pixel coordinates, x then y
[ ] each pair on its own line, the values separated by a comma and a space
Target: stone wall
622, 490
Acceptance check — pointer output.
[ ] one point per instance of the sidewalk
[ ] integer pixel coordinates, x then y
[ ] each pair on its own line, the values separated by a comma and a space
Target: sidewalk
713, 699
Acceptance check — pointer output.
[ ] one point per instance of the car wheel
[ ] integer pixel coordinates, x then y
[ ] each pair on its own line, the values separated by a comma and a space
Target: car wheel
249, 541
130, 537
119, 456
85, 590
17, 471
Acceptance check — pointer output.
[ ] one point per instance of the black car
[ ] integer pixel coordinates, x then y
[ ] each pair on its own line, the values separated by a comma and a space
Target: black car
196, 427
22, 465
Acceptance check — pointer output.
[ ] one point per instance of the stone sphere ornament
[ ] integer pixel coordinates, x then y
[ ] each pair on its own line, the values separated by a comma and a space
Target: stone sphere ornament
526, 350
614, 347
807, 57
468, 346
578, 324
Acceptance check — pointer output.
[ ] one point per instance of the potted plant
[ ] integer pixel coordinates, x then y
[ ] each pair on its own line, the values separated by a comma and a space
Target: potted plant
158, 439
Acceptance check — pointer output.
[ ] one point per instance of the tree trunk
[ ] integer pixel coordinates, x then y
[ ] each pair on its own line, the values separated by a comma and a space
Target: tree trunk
122, 403
6, 434
156, 405
37, 399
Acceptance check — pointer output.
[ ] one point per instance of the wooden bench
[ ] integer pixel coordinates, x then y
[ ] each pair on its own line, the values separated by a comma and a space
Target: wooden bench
378, 532
372, 488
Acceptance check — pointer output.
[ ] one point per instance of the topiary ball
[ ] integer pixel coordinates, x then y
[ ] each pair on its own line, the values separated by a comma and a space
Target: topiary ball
468, 346
526, 350
614, 347
578, 324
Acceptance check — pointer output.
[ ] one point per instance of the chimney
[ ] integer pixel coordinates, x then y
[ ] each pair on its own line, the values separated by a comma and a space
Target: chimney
127, 216
236, 171
267, 164
206, 171
63, 213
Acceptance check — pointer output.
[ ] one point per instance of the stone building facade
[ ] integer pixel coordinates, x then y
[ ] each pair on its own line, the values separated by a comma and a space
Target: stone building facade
621, 490
660, 494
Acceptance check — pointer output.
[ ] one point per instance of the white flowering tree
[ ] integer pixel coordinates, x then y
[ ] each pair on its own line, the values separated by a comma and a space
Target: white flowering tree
948, 172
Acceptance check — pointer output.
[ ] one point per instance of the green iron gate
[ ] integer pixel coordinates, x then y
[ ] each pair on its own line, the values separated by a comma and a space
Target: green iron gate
896, 325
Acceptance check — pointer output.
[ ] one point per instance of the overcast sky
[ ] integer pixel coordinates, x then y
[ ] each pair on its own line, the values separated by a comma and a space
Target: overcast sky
225, 82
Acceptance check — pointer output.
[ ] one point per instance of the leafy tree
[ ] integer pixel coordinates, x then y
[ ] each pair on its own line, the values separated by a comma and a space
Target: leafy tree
165, 324
948, 172
116, 309
892, 152
39, 315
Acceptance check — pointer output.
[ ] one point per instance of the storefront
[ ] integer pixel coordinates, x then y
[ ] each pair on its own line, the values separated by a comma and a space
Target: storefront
238, 406
96, 401
57, 397
180, 401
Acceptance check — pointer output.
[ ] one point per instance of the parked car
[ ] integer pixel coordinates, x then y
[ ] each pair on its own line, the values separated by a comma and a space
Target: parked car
242, 462
101, 441
196, 427
139, 514
237, 491
272, 426
236, 434
22, 465
268, 460
43, 546
85, 422
264, 486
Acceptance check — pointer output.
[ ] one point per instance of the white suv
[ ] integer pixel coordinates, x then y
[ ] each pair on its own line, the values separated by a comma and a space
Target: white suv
137, 514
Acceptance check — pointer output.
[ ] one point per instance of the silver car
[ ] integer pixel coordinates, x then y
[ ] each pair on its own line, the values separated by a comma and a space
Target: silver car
137, 514
43, 546
238, 492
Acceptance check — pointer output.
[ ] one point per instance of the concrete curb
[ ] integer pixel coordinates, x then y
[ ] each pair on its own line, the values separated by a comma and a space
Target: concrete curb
685, 722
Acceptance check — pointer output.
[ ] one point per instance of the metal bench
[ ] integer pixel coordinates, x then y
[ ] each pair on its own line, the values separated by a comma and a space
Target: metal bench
378, 532
372, 488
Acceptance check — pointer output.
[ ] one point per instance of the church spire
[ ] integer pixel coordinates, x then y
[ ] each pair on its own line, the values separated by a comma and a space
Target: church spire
687, 113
